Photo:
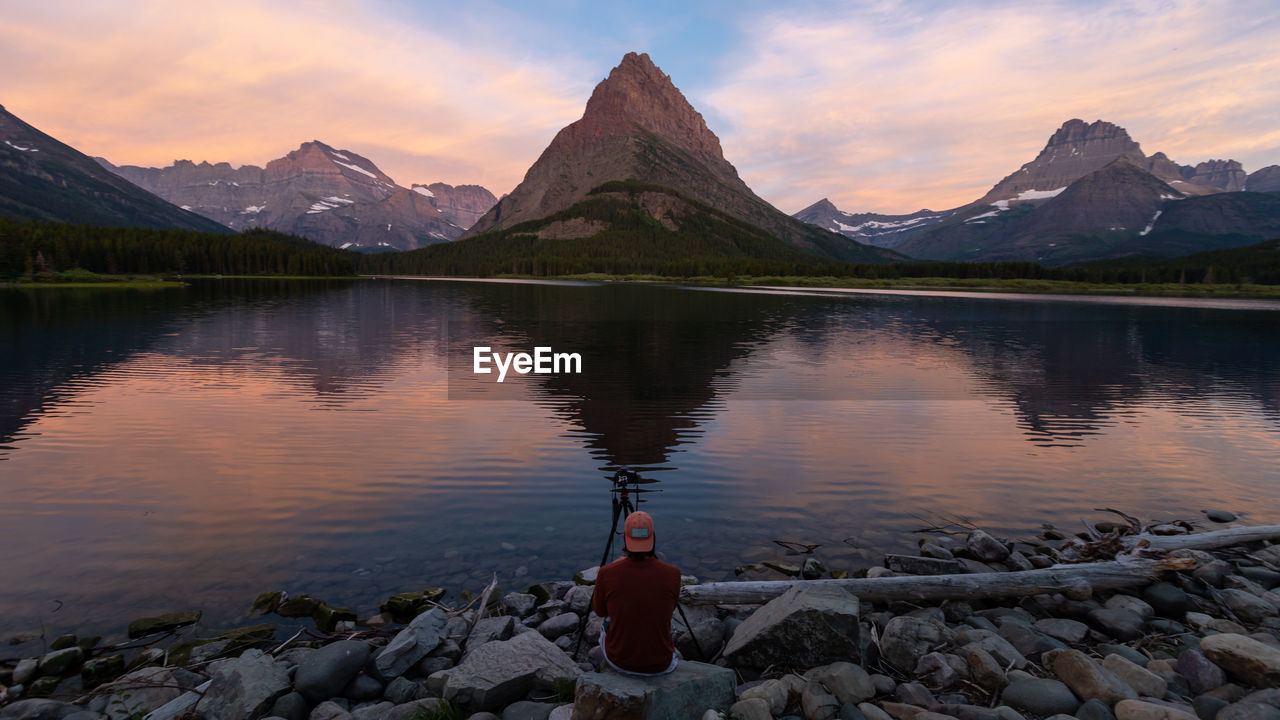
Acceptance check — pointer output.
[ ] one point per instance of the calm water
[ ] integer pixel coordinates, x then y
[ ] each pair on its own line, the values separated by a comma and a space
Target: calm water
190, 448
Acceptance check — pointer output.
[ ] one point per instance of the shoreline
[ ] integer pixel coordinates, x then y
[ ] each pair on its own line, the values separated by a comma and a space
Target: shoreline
907, 655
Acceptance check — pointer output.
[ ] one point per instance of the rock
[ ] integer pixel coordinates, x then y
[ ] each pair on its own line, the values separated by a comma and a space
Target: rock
25, 671
290, 706
266, 602
296, 606
162, 623
327, 617
1140, 710
561, 624
363, 688
753, 708
872, 712
417, 709
1248, 711
528, 710
1207, 707
691, 687
423, 634
578, 598
1120, 623
849, 683
1123, 651
774, 692
1019, 562
983, 668
998, 647
803, 627
61, 662
490, 629
243, 688
1040, 696
901, 711
1095, 710
1133, 604
1144, 682
1167, 599
912, 693
906, 639
817, 703
324, 673
1254, 662
1089, 680
934, 550
499, 672
986, 548
140, 691
402, 690
1027, 640
38, 709
565, 712
100, 670
372, 712
812, 569
915, 565
1068, 631
329, 710
936, 670
1268, 579
1199, 671
43, 686
1219, 516
1247, 607
519, 605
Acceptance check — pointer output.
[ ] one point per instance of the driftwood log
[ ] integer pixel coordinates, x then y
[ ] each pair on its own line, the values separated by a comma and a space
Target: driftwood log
1072, 580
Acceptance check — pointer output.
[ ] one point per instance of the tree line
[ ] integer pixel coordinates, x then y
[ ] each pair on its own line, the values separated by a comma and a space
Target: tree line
31, 249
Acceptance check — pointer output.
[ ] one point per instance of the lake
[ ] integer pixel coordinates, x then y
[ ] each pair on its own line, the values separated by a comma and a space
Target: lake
189, 448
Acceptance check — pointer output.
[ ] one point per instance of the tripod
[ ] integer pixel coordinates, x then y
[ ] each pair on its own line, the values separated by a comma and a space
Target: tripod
626, 482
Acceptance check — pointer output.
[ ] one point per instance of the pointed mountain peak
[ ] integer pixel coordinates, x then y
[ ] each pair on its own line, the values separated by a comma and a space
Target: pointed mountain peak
635, 93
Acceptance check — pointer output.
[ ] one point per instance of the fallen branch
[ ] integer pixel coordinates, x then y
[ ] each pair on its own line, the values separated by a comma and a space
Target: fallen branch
1072, 580
1208, 540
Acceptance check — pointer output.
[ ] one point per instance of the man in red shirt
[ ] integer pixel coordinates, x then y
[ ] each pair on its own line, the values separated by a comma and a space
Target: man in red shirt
636, 594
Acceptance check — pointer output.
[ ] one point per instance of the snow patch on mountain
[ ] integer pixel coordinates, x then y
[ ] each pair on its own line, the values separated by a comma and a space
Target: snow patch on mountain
423, 191
357, 168
19, 148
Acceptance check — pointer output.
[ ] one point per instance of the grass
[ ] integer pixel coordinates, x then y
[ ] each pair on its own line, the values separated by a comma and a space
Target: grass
995, 285
78, 278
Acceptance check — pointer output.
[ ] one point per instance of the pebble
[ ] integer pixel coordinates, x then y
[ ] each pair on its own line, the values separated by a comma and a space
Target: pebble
1040, 696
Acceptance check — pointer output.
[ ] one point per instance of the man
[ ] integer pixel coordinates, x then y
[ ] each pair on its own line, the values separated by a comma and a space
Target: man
636, 594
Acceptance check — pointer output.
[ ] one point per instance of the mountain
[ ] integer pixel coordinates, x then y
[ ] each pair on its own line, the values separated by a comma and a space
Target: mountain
1093, 193
1265, 180
887, 231
638, 127
44, 179
335, 197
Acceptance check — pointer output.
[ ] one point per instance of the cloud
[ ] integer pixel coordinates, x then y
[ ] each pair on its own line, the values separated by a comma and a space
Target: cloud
901, 105
151, 81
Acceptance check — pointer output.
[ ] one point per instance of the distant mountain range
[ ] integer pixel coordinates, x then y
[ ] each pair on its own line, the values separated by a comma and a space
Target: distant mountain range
1090, 193
335, 197
44, 179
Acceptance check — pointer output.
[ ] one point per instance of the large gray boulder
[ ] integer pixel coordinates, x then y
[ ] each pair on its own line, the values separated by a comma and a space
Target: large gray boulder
498, 673
243, 688
1040, 696
807, 625
688, 691
180, 704
1089, 680
324, 673
411, 644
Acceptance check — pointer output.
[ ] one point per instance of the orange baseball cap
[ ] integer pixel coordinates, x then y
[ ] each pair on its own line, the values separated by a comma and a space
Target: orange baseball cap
638, 532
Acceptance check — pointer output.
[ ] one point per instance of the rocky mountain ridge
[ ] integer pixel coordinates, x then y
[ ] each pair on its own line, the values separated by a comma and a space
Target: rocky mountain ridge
42, 178
336, 197
1025, 217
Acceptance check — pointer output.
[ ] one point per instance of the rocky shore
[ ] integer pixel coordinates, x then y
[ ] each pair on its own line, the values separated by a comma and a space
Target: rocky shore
1201, 643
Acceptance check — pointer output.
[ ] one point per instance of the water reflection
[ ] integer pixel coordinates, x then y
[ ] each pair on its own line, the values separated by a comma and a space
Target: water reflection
198, 446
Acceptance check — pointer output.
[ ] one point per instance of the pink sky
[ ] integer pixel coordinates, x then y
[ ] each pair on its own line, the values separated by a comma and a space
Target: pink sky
888, 106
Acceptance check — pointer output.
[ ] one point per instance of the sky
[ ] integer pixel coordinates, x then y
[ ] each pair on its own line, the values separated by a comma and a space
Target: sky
884, 106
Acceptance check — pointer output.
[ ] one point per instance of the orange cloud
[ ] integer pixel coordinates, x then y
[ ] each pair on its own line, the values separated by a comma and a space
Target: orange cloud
246, 82
900, 106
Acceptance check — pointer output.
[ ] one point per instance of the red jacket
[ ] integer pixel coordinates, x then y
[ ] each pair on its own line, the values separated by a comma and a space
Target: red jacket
638, 597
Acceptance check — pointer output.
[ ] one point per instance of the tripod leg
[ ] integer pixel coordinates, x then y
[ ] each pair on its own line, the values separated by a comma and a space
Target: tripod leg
613, 530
